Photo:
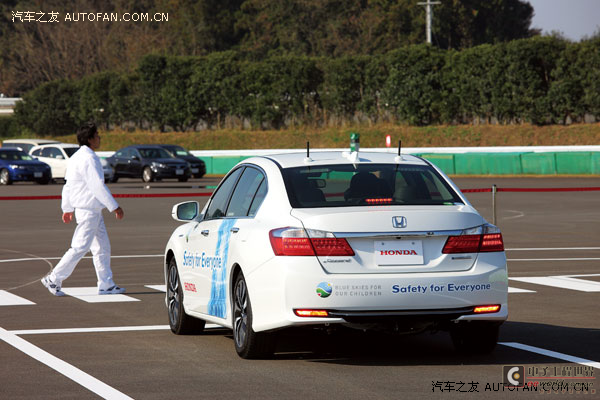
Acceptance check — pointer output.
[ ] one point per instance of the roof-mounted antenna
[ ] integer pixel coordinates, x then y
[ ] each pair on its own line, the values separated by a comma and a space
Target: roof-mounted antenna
307, 159
398, 158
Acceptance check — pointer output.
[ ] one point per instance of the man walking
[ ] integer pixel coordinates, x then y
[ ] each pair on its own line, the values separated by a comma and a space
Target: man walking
84, 196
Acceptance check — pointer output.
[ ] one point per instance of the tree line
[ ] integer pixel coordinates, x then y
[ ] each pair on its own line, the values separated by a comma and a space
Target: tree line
38, 51
541, 80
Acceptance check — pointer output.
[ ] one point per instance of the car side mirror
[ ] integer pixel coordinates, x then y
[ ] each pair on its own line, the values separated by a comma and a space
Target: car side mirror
136, 158
60, 158
186, 211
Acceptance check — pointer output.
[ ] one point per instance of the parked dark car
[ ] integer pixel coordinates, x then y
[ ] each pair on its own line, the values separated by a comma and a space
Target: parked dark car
149, 162
197, 166
16, 165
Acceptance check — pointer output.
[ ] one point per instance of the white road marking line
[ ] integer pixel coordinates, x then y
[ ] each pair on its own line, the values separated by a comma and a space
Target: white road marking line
100, 329
519, 214
9, 299
89, 257
160, 288
91, 330
78, 376
553, 354
562, 282
517, 290
90, 295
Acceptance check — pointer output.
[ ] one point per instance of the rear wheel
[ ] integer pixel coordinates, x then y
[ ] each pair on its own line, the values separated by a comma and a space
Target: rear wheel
147, 175
43, 181
179, 321
475, 337
5, 177
248, 344
182, 179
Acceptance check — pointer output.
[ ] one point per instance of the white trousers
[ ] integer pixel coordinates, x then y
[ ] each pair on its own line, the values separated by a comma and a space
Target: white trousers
90, 234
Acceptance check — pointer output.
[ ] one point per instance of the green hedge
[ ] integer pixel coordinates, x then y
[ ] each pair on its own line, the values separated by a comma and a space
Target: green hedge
539, 80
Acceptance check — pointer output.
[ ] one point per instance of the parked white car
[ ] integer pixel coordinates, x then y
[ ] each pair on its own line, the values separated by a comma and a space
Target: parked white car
26, 144
369, 241
57, 156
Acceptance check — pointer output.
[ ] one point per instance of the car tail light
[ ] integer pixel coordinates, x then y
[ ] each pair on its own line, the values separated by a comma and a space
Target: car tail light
487, 309
485, 238
301, 242
312, 313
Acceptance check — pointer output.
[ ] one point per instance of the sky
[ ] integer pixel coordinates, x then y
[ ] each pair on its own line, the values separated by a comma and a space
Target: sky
573, 18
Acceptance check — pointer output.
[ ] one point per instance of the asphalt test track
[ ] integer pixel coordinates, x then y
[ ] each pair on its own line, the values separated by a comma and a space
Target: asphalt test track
561, 231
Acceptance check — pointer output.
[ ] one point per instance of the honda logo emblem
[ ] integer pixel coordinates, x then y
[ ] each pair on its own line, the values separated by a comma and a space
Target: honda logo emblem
399, 222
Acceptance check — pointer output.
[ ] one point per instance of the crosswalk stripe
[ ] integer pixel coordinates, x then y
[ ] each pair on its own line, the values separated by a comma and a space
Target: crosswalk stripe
160, 288
90, 295
9, 299
517, 290
562, 282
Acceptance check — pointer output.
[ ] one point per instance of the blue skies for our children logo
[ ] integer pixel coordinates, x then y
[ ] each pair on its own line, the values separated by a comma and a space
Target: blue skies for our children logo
324, 289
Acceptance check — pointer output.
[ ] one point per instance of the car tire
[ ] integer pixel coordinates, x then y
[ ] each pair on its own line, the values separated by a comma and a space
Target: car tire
475, 337
248, 344
147, 175
43, 181
114, 179
5, 177
182, 179
179, 321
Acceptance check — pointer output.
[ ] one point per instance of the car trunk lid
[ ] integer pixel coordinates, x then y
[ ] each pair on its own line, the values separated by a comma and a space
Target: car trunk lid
393, 239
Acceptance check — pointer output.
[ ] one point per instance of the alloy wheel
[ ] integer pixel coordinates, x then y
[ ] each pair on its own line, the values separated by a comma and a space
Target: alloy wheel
173, 299
240, 324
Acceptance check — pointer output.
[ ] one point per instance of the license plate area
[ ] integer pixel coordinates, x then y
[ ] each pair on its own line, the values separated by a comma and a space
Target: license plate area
37, 174
398, 252
179, 172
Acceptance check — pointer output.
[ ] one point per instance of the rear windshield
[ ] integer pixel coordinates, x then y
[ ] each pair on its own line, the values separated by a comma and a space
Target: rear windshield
367, 185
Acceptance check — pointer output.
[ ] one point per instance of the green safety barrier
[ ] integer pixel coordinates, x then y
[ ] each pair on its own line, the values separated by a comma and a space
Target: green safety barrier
550, 163
538, 163
574, 163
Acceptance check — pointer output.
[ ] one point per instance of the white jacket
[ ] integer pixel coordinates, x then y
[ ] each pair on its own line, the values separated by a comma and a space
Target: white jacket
85, 186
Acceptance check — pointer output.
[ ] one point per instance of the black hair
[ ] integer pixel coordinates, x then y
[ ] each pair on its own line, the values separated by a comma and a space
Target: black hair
85, 133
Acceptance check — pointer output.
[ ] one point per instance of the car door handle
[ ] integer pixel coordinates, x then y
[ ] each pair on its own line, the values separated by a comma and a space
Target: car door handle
205, 232
235, 229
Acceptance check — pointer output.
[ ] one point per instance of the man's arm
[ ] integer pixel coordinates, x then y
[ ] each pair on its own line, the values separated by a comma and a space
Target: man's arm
66, 206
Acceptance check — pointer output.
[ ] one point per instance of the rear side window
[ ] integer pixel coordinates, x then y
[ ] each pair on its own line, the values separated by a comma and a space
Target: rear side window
70, 150
368, 184
245, 193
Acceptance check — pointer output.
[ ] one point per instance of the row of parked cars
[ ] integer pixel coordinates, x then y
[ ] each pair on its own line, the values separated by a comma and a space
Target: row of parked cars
45, 160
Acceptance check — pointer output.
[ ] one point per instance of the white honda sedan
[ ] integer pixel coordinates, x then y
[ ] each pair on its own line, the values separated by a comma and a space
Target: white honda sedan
365, 240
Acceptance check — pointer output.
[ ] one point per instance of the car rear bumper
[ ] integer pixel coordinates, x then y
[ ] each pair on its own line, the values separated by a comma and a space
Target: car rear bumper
299, 284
